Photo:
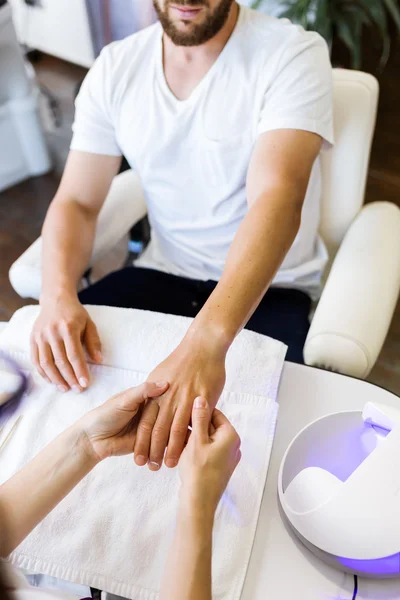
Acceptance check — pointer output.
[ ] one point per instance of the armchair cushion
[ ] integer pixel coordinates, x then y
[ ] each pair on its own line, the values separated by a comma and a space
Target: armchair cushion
354, 313
125, 205
345, 167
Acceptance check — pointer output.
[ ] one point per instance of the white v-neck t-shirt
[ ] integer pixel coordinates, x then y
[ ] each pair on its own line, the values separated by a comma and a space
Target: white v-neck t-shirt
192, 156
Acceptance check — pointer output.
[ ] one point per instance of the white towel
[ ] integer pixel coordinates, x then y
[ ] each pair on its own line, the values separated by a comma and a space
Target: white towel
114, 530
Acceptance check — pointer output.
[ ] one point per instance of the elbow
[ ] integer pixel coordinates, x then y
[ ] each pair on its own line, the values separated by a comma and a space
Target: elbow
68, 210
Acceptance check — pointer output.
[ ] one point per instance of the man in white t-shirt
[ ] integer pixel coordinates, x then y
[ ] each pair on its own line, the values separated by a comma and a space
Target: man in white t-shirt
223, 112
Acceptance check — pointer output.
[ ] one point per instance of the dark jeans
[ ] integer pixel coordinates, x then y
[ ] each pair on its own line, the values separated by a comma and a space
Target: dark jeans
282, 313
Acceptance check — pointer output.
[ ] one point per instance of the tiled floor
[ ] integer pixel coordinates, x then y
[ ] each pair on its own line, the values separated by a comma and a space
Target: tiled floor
23, 207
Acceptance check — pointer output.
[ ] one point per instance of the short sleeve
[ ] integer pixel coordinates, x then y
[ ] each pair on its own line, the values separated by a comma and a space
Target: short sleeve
300, 95
93, 128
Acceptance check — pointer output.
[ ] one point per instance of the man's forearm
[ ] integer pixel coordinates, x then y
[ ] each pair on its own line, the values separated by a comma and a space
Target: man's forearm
68, 236
33, 492
259, 247
188, 571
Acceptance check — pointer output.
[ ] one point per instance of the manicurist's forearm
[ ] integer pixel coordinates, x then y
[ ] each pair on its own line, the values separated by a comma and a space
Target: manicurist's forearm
68, 236
260, 245
188, 571
33, 492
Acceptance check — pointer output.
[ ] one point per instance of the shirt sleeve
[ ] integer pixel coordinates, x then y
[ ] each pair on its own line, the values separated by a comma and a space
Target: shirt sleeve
94, 128
300, 95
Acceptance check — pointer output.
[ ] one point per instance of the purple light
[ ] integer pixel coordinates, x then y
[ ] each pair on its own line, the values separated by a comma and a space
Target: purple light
390, 565
344, 450
381, 431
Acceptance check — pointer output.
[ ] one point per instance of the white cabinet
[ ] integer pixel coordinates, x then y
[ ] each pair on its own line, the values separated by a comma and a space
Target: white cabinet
23, 151
57, 27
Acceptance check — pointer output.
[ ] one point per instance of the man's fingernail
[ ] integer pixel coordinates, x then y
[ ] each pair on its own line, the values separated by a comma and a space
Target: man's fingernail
76, 389
200, 402
83, 382
161, 384
141, 461
171, 463
62, 389
154, 466
98, 356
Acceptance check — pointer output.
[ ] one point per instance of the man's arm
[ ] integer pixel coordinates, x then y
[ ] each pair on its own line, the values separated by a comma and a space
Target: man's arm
68, 236
277, 182
276, 187
69, 228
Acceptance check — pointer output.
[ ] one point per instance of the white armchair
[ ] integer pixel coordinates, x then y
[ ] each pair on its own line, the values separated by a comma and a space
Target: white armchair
353, 315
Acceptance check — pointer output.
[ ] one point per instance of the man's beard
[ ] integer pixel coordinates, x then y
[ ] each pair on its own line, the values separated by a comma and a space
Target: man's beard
199, 33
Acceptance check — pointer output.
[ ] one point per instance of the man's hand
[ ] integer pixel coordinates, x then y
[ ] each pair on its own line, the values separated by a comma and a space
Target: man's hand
111, 428
60, 332
195, 368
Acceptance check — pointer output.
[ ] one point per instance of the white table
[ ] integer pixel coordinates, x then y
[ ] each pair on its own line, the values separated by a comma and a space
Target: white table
280, 567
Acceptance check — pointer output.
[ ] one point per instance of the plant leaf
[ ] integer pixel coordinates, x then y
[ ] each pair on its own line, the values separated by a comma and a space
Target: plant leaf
347, 18
256, 4
379, 16
348, 30
323, 20
394, 10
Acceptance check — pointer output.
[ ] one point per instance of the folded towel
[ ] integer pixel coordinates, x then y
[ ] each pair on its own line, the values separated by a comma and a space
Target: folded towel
114, 530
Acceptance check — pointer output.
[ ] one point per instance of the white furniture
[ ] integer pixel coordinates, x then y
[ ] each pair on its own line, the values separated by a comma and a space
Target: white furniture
23, 151
280, 567
354, 313
57, 27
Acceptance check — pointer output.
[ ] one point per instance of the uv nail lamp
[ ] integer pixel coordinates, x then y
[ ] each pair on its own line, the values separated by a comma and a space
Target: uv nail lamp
339, 487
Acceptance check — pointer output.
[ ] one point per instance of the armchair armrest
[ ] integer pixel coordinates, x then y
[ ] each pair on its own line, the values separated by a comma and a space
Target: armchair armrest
353, 316
124, 206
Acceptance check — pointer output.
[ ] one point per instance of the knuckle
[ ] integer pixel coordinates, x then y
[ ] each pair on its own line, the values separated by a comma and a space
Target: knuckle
179, 430
60, 361
236, 438
74, 357
158, 433
145, 427
68, 325
40, 337
46, 363
52, 329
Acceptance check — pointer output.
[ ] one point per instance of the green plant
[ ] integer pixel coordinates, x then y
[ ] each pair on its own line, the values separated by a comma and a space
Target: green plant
345, 19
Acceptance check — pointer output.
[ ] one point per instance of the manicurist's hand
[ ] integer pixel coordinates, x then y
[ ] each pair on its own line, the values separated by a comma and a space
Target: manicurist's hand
195, 368
210, 457
209, 460
60, 334
111, 429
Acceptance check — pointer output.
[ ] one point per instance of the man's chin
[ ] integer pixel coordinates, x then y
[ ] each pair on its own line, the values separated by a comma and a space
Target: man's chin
181, 25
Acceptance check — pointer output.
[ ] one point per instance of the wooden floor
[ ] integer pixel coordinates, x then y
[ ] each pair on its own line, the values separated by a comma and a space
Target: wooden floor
23, 207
